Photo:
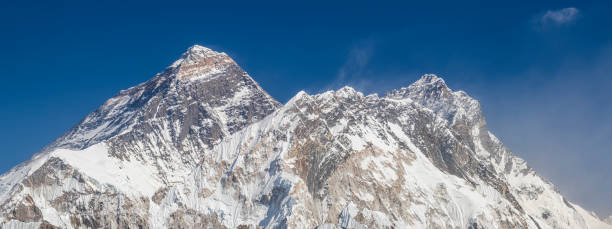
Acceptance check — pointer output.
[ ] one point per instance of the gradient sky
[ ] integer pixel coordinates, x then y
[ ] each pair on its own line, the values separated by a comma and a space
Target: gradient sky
542, 71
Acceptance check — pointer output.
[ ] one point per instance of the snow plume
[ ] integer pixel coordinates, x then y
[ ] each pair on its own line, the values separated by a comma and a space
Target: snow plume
357, 71
358, 58
355, 66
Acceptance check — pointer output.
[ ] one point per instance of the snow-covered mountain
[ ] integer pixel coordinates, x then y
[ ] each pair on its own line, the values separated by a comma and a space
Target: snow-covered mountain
201, 145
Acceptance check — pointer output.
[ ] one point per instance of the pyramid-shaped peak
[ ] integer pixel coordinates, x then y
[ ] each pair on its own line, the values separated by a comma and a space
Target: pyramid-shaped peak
199, 61
195, 48
198, 52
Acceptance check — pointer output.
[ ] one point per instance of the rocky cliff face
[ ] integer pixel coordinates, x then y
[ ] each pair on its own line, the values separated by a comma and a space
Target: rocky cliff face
201, 145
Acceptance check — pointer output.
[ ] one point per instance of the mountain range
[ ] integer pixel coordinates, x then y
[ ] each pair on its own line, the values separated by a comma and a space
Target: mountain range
202, 145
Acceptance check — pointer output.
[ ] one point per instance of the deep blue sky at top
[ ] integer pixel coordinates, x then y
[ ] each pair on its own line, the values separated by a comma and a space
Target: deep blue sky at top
544, 83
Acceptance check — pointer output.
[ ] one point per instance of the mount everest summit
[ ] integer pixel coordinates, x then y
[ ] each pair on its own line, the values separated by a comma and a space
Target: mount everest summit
202, 145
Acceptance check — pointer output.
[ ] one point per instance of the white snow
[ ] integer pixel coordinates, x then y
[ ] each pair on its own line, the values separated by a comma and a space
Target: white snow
15, 224
131, 177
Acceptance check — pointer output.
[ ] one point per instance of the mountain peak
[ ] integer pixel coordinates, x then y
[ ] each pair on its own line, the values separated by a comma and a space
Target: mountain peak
430, 80
199, 62
198, 48
347, 91
200, 76
198, 51
429, 85
432, 92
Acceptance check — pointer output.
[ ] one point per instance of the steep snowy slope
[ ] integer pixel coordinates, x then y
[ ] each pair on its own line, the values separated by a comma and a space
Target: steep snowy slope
539, 198
415, 158
345, 159
145, 138
201, 145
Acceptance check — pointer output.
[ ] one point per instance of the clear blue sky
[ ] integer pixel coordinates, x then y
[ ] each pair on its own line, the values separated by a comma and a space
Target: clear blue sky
542, 70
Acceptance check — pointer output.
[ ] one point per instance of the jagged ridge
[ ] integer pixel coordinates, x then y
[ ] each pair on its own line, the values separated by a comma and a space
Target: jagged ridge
202, 145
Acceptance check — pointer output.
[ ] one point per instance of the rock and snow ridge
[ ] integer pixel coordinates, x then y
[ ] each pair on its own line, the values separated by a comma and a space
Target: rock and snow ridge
202, 145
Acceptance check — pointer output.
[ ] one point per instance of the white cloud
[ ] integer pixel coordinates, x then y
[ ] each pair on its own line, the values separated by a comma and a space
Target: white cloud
559, 17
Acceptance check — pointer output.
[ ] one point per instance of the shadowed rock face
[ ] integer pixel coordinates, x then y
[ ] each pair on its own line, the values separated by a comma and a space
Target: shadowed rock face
167, 122
26, 211
188, 93
211, 149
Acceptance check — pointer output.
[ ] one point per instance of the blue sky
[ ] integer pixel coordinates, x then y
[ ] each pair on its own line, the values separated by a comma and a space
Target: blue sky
542, 71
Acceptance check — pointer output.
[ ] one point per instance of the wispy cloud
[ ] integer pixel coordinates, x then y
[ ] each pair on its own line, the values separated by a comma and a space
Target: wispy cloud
356, 62
354, 69
559, 17
358, 71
